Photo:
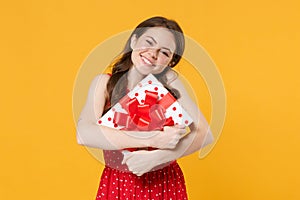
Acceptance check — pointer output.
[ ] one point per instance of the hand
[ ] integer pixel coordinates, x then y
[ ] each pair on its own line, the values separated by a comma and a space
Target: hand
169, 137
140, 162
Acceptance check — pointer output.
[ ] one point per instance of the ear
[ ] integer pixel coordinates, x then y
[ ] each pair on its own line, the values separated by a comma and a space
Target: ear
133, 41
171, 63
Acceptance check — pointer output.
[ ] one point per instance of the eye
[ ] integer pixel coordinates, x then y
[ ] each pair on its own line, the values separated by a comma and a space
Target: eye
165, 53
149, 42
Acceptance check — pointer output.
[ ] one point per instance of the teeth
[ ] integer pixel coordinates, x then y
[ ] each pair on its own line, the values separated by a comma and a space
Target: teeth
146, 61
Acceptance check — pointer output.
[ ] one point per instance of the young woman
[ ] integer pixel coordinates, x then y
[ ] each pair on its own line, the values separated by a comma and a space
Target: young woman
155, 46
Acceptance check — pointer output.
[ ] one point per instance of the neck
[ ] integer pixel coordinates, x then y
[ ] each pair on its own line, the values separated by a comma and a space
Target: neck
134, 77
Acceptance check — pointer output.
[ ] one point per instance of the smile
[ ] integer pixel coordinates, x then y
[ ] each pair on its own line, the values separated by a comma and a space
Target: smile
146, 61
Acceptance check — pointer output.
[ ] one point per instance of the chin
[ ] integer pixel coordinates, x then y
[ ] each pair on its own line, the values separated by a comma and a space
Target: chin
143, 70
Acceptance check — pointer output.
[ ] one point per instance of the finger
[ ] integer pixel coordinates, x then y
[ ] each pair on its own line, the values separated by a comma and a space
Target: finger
181, 126
125, 152
136, 172
127, 155
182, 131
172, 144
130, 169
140, 173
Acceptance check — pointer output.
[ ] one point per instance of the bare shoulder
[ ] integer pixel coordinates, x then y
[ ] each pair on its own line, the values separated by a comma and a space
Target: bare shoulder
96, 98
102, 78
98, 85
176, 82
100, 81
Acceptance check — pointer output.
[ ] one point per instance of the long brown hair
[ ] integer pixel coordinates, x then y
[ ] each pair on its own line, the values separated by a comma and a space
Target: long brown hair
117, 84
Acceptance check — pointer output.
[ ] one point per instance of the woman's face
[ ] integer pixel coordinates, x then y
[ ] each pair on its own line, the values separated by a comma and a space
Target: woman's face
153, 50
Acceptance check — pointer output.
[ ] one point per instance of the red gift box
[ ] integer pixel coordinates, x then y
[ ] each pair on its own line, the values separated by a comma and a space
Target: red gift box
149, 106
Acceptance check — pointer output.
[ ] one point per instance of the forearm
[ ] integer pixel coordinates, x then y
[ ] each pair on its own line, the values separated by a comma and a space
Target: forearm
93, 135
189, 144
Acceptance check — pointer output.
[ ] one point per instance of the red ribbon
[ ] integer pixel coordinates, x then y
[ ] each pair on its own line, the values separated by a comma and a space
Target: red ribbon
147, 116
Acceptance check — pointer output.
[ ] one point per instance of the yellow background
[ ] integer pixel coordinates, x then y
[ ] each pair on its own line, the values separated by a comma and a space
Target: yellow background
255, 45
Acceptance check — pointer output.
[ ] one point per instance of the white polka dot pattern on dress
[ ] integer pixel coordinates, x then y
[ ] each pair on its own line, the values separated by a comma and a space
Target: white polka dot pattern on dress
166, 183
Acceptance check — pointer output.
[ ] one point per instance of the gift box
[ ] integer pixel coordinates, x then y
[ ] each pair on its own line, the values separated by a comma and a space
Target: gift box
148, 106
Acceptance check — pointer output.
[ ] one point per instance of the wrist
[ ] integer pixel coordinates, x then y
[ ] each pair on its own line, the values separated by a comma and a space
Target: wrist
164, 155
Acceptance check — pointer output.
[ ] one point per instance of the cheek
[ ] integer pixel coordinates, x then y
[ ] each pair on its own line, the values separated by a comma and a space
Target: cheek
164, 61
135, 56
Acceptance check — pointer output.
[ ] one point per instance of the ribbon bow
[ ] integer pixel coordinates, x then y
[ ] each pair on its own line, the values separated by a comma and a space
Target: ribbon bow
147, 116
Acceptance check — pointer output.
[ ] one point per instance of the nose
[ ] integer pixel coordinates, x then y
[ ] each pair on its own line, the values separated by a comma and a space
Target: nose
153, 52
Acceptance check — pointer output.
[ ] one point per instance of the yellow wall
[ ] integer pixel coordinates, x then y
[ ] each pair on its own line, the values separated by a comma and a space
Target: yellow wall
255, 45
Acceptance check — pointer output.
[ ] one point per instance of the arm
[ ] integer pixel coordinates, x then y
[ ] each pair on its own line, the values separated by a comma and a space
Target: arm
200, 135
89, 133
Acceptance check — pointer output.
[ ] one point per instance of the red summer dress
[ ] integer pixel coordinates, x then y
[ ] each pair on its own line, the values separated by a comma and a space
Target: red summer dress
117, 182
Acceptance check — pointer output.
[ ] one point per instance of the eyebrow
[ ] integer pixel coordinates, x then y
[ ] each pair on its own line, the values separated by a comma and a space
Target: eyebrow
156, 43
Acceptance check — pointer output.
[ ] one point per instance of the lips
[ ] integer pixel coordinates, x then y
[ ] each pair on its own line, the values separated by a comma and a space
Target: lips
146, 61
